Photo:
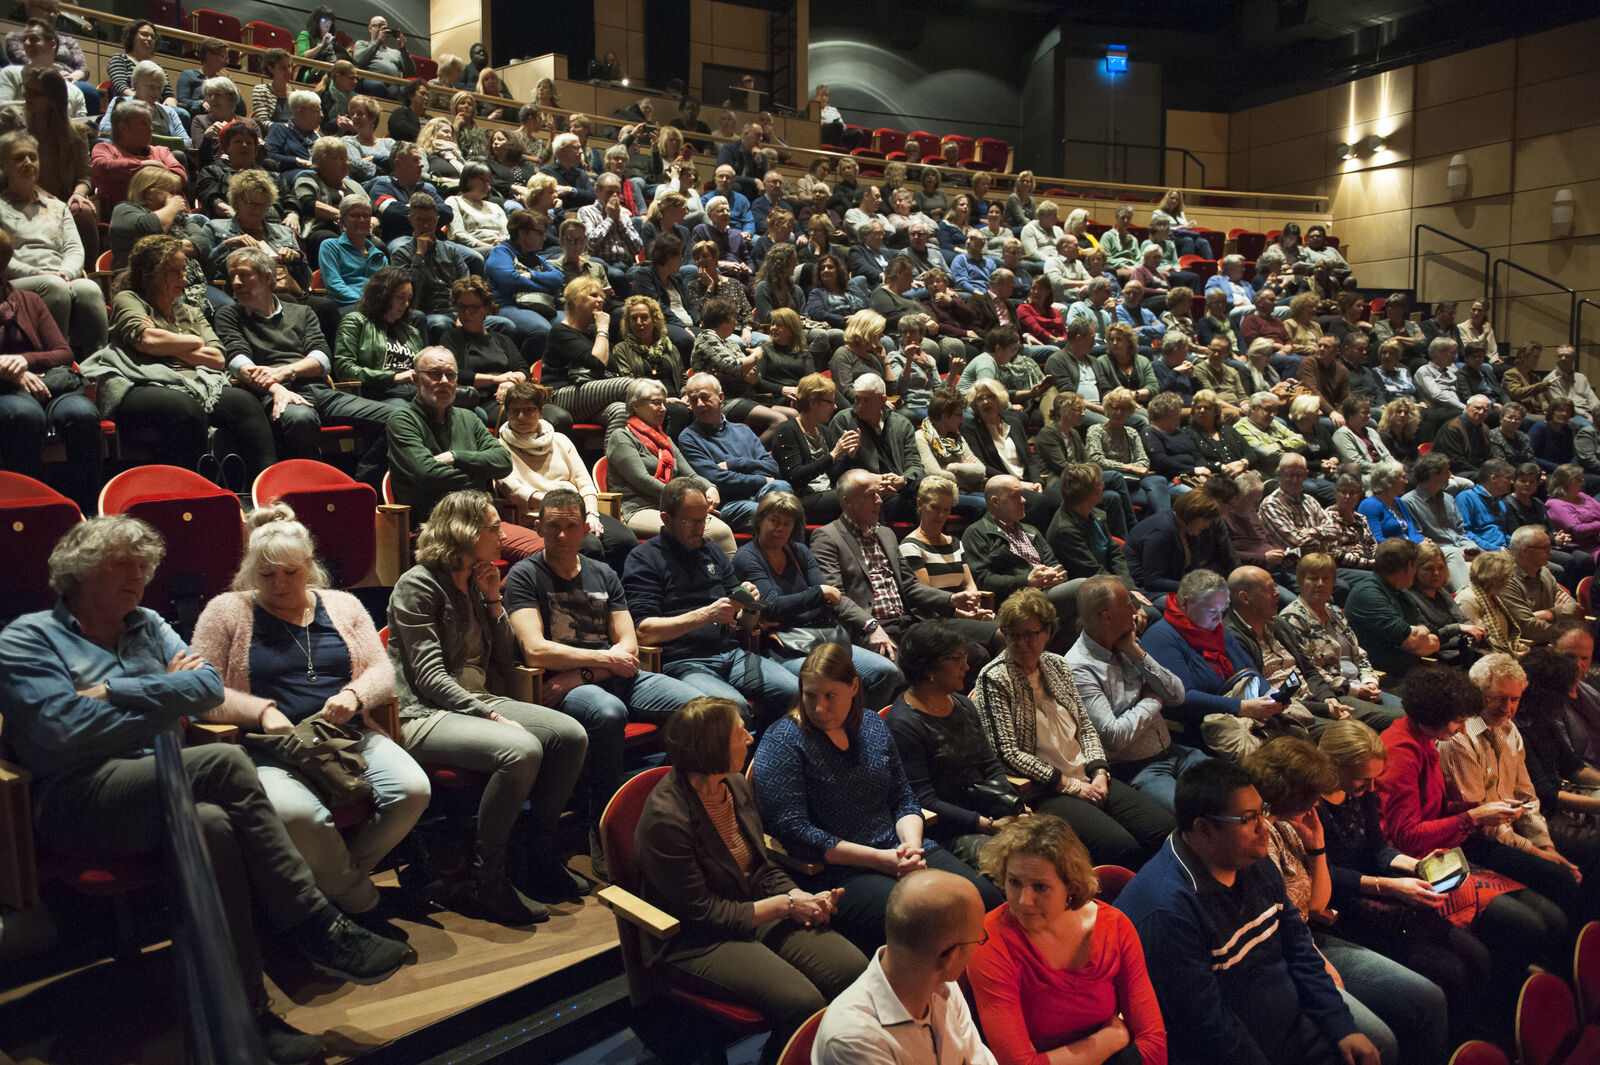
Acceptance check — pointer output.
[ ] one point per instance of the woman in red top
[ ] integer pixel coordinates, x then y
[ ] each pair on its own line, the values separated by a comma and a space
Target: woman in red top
1420, 818
1059, 970
1038, 316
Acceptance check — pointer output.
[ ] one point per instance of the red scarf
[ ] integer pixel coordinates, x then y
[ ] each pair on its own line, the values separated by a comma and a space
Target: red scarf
658, 444
1212, 645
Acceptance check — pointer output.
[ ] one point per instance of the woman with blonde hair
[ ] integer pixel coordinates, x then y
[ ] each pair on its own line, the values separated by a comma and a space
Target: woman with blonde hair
863, 352
805, 458
1019, 205
373, 151
437, 140
1059, 971
933, 556
1480, 601
449, 640
1304, 331
1397, 428
489, 84
295, 655
541, 195
647, 351
577, 357
472, 138
1335, 667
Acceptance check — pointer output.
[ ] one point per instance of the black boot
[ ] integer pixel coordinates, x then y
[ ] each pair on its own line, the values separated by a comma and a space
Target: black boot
485, 892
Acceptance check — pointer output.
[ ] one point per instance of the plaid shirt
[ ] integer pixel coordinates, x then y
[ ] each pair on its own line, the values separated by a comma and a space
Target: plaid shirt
886, 602
1349, 541
1017, 536
613, 240
1295, 523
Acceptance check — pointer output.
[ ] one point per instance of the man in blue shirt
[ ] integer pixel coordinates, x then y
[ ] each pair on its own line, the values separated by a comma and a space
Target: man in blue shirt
1229, 956
573, 183
728, 453
391, 197
1480, 506
746, 158
89, 686
680, 593
771, 197
1147, 325
740, 216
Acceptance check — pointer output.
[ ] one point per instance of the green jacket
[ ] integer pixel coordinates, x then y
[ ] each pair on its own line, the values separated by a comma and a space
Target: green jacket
416, 435
361, 349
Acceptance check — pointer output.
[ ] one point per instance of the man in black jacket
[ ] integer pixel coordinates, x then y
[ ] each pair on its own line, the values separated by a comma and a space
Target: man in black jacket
1007, 555
888, 445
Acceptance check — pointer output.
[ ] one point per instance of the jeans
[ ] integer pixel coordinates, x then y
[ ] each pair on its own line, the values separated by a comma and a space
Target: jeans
299, 428
1153, 493
113, 810
761, 688
538, 763
532, 329
738, 512
23, 422
880, 677
341, 871
604, 710
1405, 1003
78, 306
1157, 777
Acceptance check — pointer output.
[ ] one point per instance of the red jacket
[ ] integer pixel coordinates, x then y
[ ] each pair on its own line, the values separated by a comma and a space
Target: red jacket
1418, 814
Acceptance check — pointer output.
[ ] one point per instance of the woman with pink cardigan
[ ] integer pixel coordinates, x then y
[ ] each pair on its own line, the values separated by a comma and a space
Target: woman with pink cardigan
290, 648
1572, 510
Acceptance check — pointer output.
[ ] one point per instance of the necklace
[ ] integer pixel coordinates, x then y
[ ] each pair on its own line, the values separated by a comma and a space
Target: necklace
311, 670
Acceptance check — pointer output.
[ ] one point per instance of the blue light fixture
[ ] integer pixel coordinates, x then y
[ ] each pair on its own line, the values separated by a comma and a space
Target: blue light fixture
1116, 59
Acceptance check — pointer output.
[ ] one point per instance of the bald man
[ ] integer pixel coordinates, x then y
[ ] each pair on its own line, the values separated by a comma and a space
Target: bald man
907, 1002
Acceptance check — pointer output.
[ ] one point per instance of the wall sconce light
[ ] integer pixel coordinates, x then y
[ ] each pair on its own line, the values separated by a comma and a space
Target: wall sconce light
1344, 151
1116, 59
1373, 144
1458, 176
1562, 210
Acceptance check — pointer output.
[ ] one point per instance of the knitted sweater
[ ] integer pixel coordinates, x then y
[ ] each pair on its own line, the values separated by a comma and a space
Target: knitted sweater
538, 472
1005, 700
223, 634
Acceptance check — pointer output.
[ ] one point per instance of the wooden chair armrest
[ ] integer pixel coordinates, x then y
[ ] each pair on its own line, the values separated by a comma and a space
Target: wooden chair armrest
637, 912
529, 683
351, 387
385, 717
1020, 783
19, 876
393, 522
611, 503
784, 858
929, 817
197, 732
986, 600
649, 658
514, 511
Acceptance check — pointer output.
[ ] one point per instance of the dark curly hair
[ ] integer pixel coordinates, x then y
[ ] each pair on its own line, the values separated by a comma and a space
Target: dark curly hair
380, 289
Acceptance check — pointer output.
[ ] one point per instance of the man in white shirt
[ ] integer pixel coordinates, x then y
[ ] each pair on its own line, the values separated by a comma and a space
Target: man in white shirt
906, 1009
1567, 383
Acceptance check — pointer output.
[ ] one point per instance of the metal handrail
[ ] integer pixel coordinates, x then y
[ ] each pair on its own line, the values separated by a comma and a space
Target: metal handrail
1577, 326
1572, 293
217, 1011
1416, 253
1163, 148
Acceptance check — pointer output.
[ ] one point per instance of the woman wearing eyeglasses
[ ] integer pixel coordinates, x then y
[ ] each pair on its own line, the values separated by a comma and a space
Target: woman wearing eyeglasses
1058, 971
1041, 730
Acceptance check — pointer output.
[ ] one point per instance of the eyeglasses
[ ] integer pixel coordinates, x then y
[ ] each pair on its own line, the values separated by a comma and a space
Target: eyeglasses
980, 941
439, 375
468, 305
1250, 818
1027, 635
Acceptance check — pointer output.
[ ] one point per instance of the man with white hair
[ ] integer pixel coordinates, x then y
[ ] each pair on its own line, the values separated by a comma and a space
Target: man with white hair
611, 236
1566, 382
573, 183
1039, 236
1068, 278
746, 159
888, 446
922, 250
740, 216
1532, 597
727, 453
289, 143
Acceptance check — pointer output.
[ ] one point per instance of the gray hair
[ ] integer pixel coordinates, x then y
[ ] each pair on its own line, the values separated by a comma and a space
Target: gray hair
145, 68
1262, 398
1199, 583
1495, 667
564, 140
609, 180
1291, 458
1094, 595
1440, 344
1079, 327
919, 226
1099, 284
1525, 535
854, 481
644, 388
121, 113
1250, 481
706, 378
304, 98
1172, 341
277, 539
216, 85
871, 382
84, 546
914, 323
616, 151
350, 203
258, 261
1385, 475
1258, 346
1230, 260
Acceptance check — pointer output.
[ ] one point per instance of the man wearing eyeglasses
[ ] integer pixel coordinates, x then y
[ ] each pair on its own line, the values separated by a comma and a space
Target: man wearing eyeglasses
1231, 960
906, 1006
436, 448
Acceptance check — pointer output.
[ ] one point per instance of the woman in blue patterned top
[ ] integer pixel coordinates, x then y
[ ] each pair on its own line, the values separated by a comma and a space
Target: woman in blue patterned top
830, 785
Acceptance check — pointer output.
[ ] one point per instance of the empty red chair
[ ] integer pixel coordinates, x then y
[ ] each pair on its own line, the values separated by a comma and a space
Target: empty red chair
203, 528
266, 35
1477, 1052
972, 164
887, 140
1251, 244
1546, 1021
927, 142
427, 69
162, 12
339, 511
1586, 957
1134, 197
209, 23
869, 153
33, 516
993, 153
1113, 878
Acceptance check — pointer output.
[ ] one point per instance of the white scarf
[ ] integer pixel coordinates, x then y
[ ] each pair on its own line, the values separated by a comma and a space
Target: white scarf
536, 443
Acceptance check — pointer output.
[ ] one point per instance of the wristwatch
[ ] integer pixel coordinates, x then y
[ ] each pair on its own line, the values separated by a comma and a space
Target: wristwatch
586, 675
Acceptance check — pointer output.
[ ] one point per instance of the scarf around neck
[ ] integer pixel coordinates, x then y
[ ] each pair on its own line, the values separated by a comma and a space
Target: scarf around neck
539, 442
1213, 645
656, 443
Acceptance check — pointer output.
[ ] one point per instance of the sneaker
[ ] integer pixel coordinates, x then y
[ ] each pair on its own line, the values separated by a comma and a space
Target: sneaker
339, 947
284, 1043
